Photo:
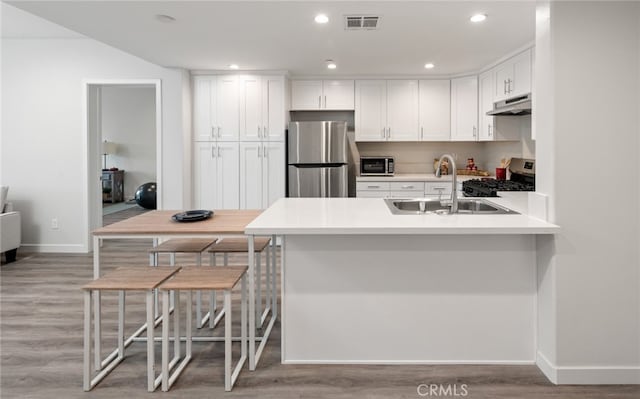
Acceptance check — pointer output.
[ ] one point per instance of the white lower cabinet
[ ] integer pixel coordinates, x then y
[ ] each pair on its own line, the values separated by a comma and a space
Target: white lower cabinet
406, 189
262, 173
216, 175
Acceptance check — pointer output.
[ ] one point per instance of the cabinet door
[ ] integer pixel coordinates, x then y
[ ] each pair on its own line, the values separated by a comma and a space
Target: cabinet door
486, 87
227, 175
251, 181
306, 94
204, 176
464, 109
251, 125
273, 172
521, 83
402, 110
338, 94
371, 110
435, 110
228, 107
273, 108
204, 108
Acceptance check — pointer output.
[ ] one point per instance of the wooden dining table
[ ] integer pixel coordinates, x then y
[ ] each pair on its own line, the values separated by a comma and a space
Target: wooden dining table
159, 226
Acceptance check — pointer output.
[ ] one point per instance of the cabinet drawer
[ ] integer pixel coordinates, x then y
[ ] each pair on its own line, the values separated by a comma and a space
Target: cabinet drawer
372, 185
372, 194
406, 194
437, 188
406, 185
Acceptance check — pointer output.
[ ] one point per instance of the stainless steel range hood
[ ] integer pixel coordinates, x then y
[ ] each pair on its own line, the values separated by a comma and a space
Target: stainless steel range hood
512, 107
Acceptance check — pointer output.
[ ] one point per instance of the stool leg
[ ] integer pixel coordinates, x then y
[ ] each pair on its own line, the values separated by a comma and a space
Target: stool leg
268, 278
97, 332
87, 342
212, 297
189, 321
165, 339
243, 317
121, 299
150, 341
274, 292
199, 297
172, 295
227, 340
176, 324
259, 286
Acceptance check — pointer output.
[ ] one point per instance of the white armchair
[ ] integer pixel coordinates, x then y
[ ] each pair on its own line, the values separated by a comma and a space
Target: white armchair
9, 229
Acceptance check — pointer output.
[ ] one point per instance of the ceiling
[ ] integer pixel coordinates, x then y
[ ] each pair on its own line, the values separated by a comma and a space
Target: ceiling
282, 35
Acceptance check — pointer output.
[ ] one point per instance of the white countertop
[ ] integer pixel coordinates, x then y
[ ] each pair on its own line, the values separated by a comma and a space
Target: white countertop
372, 216
416, 177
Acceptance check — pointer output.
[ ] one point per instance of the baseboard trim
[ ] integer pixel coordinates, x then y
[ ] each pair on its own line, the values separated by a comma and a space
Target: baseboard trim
416, 362
588, 375
53, 248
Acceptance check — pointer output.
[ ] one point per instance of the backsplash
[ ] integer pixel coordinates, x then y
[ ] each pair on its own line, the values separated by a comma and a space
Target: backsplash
417, 157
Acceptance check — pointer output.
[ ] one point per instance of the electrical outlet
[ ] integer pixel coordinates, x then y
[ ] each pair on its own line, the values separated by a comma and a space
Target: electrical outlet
54, 224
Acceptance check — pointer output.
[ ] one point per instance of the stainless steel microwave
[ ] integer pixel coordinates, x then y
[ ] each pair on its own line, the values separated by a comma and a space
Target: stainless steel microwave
376, 166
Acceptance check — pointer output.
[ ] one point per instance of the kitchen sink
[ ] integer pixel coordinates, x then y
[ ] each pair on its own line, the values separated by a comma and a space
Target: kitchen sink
421, 206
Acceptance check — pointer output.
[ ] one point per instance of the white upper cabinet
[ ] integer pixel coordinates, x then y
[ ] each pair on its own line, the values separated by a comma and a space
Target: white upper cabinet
513, 77
312, 95
486, 86
371, 110
251, 118
435, 110
386, 110
338, 94
273, 108
402, 110
227, 115
464, 109
262, 108
215, 108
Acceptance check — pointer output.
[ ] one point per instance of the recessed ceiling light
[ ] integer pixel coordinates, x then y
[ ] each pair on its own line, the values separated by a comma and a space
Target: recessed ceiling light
478, 18
331, 64
165, 18
429, 65
233, 66
321, 19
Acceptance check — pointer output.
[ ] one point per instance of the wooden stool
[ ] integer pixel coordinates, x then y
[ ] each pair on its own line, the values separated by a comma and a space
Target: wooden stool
239, 245
188, 246
140, 278
192, 279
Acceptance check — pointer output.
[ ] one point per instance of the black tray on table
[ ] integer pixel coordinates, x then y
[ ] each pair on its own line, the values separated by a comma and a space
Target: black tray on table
192, 216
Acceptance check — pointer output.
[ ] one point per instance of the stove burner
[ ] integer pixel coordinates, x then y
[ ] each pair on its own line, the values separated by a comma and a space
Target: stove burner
490, 187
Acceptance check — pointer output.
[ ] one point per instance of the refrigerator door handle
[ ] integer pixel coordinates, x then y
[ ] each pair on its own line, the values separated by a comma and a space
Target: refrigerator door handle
323, 178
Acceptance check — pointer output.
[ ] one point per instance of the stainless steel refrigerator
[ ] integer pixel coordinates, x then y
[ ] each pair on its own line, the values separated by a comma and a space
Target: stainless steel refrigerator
317, 159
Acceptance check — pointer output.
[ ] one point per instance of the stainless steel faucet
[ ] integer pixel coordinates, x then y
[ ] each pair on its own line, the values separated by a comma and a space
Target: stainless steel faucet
454, 185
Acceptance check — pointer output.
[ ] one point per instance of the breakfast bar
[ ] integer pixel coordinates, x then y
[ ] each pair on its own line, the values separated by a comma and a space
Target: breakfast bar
363, 285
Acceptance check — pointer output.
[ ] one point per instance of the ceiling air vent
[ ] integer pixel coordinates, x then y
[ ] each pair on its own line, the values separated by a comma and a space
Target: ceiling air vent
361, 22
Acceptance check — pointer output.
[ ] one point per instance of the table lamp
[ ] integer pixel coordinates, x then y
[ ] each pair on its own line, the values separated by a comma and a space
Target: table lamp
108, 148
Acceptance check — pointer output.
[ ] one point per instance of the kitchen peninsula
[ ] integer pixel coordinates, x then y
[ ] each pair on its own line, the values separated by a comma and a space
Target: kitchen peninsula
361, 285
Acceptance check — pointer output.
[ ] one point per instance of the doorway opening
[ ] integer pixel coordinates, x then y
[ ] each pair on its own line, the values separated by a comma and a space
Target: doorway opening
123, 123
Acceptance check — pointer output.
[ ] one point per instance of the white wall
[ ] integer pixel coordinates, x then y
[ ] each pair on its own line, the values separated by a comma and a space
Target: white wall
590, 273
129, 120
42, 132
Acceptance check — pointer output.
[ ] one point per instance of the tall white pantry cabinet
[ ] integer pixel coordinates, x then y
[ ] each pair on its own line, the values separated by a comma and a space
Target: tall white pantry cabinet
239, 150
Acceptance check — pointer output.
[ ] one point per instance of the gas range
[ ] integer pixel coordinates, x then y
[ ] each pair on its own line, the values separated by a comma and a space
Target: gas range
522, 179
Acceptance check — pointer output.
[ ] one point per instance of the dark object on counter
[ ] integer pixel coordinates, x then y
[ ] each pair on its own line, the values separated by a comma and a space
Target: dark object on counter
146, 195
501, 173
192, 216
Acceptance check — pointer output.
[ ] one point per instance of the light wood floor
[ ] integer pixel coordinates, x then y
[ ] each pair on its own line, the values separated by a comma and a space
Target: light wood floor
41, 350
